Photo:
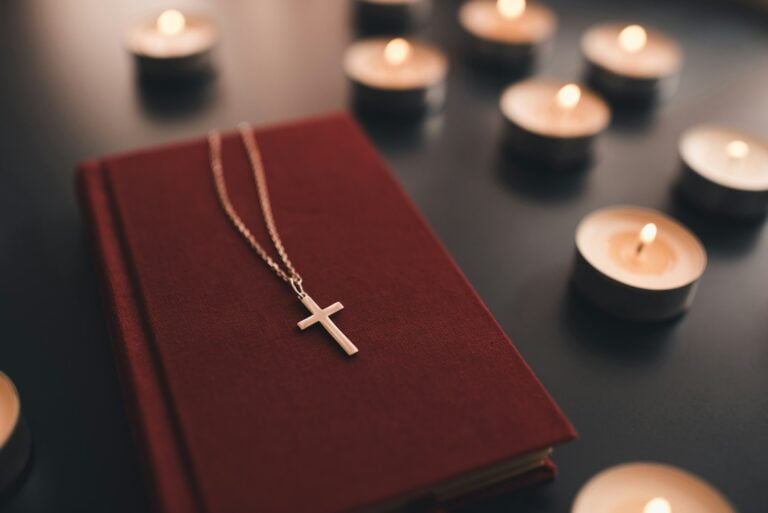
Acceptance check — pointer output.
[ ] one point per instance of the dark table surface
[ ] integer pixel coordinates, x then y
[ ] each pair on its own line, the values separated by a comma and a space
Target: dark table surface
693, 393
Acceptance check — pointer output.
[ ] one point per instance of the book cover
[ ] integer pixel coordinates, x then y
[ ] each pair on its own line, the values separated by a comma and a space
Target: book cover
235, 408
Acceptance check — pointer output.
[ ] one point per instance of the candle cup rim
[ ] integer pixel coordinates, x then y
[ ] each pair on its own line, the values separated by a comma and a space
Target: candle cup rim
651, 213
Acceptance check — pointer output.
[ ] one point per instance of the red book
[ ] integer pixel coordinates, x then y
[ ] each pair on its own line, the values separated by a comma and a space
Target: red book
236, 409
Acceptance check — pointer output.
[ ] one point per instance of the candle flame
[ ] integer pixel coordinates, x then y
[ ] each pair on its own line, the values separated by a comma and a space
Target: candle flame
648, 235
737, 149
171, 22
633, 38
658, 505
568, 96
510, 9
397, 51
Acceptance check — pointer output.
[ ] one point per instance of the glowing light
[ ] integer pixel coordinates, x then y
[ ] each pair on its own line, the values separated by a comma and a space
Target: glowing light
568, 96
737, 149
648, 235
171, 22
510, 9
397, 51
658, 505
633, 38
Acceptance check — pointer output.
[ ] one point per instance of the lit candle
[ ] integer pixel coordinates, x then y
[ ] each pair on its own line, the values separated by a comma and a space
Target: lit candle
631, 63
637, 263
173, 45
396, 76
507, 33
553, 122
15, 443
391, 16
649, 488
725, 171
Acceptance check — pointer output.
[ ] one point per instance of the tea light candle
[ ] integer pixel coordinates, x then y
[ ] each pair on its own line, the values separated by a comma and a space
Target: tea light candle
396, 76
15, 442
391, 15
637, 263
649, 488
508, 33
553, 122
631, 62
725, 170
173, 45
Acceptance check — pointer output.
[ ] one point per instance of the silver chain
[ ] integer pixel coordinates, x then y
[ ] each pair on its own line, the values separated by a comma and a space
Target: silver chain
289, 274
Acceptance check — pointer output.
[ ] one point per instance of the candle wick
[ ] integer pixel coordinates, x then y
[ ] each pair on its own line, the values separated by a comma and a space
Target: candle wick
640, 246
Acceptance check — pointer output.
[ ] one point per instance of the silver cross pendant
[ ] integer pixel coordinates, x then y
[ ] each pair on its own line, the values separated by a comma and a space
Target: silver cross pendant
323, 316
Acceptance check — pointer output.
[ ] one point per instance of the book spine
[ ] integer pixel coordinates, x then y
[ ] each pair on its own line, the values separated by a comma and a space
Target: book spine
144, 393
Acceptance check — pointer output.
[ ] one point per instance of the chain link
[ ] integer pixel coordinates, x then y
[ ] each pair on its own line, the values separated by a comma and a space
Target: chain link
289, 274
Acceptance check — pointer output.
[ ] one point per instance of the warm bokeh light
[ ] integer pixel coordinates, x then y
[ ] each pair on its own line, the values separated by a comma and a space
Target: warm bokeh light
659, 504
568, 96
737, 149
510, 8
397, 51
633, 38
648, 235
171, 22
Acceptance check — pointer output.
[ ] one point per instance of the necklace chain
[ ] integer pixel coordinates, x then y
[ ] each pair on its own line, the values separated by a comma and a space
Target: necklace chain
289, 273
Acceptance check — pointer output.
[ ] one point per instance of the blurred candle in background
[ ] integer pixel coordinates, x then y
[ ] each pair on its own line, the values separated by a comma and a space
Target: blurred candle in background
725, 171
553, 122
508, 35
173, 45
396, 76
631, 64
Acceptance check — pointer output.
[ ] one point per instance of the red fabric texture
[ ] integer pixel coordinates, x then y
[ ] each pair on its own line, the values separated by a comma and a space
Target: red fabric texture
240, 411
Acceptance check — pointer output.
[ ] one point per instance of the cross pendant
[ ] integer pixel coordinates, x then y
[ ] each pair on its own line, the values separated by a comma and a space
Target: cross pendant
323, 316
